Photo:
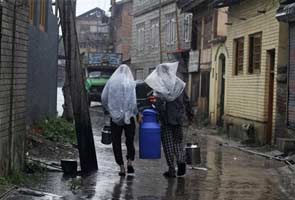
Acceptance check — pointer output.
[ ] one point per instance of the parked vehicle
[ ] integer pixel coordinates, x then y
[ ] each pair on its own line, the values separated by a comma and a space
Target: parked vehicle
95, 82
99, 67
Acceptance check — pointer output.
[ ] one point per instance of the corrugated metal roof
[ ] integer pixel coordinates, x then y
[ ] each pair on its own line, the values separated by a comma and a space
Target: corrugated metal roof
286, 13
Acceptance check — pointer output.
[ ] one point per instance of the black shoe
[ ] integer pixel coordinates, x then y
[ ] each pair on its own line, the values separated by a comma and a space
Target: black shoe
122, 171
122, 174
181, 169
169, 174
130, 169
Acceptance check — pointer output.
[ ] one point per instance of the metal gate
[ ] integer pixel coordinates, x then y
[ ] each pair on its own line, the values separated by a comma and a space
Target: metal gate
291, 85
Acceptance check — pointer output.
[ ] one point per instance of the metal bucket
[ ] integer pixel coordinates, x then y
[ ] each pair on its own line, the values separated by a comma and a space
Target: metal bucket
69, 167
106, 135
193, 154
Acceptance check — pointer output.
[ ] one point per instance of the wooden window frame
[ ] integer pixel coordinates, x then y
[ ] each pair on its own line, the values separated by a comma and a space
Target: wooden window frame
239, 52
43, 15
154, 33
170, 29
255, 53
140, 44
187, 30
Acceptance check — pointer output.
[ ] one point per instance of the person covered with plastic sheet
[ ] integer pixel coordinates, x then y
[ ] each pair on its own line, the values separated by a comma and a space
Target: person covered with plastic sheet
172, 104
119, 100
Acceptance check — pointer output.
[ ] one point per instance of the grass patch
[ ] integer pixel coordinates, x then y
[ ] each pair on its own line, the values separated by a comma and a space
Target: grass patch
57, 130
31, 174
15, 178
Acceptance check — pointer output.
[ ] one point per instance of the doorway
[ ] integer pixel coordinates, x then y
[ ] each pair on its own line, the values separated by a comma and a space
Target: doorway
271, 66
221, 85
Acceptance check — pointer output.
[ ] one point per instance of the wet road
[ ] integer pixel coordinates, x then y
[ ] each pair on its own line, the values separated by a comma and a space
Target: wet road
231, 175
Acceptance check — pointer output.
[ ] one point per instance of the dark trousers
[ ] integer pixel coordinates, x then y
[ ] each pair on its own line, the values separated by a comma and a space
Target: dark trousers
129, 131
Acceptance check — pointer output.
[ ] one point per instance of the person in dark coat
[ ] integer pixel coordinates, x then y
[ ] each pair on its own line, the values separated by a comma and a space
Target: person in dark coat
173, 107
172, 116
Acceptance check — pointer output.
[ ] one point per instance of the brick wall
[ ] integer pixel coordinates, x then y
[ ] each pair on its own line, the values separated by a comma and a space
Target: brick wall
13, 75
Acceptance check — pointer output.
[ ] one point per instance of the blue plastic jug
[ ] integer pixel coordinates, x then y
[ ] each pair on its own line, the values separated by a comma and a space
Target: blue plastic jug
150, 136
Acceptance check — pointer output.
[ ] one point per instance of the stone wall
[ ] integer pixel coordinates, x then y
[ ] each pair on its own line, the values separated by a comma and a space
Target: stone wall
13, 79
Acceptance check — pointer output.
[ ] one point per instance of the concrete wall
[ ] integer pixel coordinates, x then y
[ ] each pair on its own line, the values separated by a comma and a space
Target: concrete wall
144, 12
42, 68
13, 84
247, 94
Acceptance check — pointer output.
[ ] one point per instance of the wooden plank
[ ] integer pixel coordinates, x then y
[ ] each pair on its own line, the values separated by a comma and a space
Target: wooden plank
85, 139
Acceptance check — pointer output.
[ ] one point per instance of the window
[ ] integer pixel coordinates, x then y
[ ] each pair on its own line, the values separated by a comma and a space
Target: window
154, 33
84, 28
140, 37
93, 29
239, 56
170, 29
207, 35
31, 11
139, 74
187, 27
255, 53
43, 14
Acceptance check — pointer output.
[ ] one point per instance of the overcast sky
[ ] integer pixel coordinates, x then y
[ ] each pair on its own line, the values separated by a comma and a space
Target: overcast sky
85, 5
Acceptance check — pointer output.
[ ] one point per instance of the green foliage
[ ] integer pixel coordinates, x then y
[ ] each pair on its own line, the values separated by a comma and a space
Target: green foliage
75, 184
15, 178
34, 168
58, 130
3, 180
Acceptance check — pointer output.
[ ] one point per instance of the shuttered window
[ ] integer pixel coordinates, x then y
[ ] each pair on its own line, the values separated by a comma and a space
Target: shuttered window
255, 42
154, 33
239, 56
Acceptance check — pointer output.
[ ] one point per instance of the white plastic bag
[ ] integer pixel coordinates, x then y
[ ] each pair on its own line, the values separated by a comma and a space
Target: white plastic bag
119, 96
165, 83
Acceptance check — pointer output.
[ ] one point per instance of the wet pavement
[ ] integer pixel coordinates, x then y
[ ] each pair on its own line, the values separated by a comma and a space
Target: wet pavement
231, 175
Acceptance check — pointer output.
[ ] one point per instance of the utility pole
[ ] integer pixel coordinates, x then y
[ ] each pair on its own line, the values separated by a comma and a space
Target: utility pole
84, 133
160, 31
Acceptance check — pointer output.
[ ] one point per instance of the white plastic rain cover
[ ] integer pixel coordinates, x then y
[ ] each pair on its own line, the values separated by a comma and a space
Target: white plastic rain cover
165, 83
119, 96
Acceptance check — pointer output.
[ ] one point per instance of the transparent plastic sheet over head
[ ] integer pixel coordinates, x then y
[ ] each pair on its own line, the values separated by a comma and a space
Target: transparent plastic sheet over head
165, 83
119, 96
